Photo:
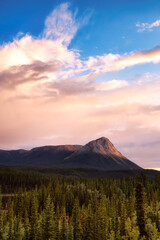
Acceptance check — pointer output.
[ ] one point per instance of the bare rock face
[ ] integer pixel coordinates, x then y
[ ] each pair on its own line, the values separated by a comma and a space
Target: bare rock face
101, 146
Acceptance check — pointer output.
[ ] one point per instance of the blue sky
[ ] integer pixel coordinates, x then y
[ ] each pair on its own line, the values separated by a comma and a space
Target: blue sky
111, 27
78, 70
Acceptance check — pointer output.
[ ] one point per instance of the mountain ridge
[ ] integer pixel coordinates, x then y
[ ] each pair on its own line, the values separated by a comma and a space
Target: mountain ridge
98, 154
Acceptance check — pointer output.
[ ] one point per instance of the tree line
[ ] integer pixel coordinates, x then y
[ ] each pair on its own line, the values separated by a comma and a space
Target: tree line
38, 207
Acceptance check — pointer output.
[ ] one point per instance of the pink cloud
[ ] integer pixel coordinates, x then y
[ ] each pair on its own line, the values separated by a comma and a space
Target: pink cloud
51, 95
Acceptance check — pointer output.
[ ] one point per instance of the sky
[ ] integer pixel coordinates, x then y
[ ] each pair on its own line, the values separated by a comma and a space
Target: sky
74, 71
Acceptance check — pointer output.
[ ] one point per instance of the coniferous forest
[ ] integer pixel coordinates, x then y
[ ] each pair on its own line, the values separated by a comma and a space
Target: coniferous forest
36, 206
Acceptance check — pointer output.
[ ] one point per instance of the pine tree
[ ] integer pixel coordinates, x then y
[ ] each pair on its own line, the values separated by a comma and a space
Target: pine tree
20, 205
139, 194
34, 218
18, 229
123, 218
63, 233
83, 217
57, 227
70, 232
26, 227
89, 231
10, 220
155, 234
76, 221
48, 221
101, 219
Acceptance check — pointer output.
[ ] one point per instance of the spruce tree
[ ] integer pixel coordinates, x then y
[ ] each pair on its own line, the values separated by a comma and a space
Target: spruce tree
83, 217
76, 221
57, 227
18, 230
70, 232
10, 220
63, 233
34, 218
48, 221
26, 227
123, 218
139, 194
101, 219
89, 231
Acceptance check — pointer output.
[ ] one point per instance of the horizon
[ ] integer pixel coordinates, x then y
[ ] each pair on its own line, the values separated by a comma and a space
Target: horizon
73, 71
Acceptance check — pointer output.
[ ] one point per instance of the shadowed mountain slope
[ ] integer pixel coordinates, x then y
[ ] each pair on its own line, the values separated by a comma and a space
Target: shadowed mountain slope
40, 156
98, 154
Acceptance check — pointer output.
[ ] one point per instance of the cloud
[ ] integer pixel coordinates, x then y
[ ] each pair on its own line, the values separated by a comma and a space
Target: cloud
50, 94
115, 62
111, 85
147, 26
21, 74
74, 86
61, 24
129, 116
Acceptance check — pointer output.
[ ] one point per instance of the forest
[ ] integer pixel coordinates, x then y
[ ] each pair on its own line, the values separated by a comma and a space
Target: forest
37, 206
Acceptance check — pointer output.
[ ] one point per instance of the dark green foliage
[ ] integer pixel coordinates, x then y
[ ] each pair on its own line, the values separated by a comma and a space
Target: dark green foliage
34, 217
37, 206
140, 208
76, 220
48, 230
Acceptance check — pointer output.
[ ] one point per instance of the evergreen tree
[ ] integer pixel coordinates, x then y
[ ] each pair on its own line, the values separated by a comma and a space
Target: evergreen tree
10, 220
83, 218
70, 232
89, 231
122, 218
34, 218
26, 227
63, 232
48, 221
101, 220
76, 221
155, 234
18, 230
57, 227
139, 194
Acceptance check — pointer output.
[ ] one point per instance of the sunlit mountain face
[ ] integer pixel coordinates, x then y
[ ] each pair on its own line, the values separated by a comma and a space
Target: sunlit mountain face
78, 70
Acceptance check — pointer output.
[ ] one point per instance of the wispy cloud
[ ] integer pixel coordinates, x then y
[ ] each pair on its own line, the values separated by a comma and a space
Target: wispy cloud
115, 62
111, 85
62, 24
147, 26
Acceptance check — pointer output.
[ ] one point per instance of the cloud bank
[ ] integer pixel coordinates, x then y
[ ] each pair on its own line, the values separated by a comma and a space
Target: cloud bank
52, 95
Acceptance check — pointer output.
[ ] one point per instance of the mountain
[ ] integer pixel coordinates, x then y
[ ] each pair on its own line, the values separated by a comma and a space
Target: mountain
97, 154
40, 156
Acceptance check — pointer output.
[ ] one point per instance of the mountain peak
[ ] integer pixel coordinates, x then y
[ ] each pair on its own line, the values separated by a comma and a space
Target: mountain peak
101, 141
101, 145
101, 154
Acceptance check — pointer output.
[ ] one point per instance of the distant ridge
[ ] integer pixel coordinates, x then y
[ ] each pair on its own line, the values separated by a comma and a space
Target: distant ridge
97, 154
